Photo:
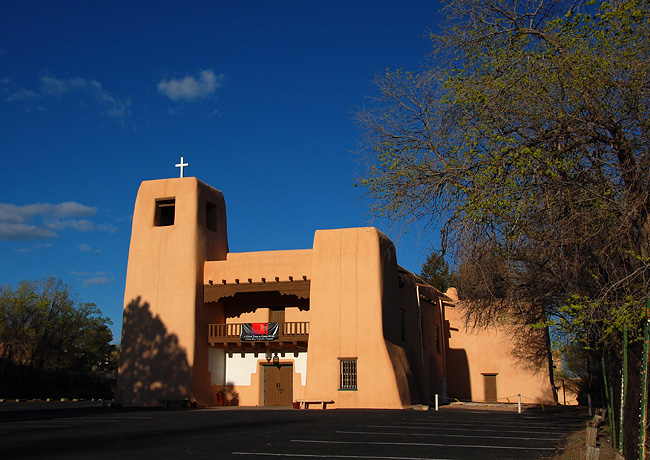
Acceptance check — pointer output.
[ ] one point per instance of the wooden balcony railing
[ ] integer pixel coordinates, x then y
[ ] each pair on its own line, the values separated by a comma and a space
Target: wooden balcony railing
292, 335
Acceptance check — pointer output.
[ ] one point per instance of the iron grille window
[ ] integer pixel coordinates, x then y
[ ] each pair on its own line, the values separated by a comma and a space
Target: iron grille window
348, 374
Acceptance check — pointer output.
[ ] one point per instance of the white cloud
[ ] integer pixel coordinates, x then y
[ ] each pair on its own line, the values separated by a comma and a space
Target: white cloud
22, 94
81, 225
86, 248
15, 231
12, 213
97, 280
113, 107
108, 228
43, 220
191, 88
73, 209
33, 248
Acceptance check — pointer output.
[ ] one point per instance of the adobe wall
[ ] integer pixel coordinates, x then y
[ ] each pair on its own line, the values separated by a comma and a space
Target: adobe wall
417, 350
257, 265
164, 350
474, 352
346, 320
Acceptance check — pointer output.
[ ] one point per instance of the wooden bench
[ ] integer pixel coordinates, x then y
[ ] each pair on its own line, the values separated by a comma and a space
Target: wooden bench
304, 403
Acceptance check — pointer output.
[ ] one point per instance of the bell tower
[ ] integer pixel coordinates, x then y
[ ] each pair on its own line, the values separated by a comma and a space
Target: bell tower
178, 224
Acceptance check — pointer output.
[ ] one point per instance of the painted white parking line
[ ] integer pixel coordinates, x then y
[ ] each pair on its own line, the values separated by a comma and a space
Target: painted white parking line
460, 429
422, 444
383, 433
552, 427
272, 454
34, 426
90, 420
59, 423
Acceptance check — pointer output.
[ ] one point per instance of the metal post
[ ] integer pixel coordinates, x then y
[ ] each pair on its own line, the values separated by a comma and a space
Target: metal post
609, 396
519, 403
436, 402
644, 384
612, 417
623, 391
421, 331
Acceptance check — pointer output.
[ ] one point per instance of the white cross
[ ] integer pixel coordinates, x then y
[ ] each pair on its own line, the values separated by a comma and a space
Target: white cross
182, 165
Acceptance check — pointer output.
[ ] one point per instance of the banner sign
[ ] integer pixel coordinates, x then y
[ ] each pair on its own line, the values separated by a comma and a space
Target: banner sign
260, 332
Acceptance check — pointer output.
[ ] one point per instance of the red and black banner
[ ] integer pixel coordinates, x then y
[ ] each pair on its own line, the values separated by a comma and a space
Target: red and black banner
260, 332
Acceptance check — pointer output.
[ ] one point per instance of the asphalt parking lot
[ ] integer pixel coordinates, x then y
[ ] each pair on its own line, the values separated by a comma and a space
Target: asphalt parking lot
88, 430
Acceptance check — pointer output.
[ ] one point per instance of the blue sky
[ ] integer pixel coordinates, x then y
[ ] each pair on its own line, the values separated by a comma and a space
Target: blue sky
257, 96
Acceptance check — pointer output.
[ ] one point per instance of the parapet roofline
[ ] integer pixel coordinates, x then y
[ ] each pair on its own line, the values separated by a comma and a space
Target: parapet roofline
423, 284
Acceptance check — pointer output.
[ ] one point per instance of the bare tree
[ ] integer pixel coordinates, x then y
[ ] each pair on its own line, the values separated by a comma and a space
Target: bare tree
527, 133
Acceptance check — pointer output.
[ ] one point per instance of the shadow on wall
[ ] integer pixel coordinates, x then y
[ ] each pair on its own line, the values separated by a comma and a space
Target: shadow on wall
459, 385
153, 367
406, 386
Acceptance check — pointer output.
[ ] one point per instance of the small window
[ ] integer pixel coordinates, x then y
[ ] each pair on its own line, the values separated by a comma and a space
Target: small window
165, 210
211, 216
348, 373
438, 347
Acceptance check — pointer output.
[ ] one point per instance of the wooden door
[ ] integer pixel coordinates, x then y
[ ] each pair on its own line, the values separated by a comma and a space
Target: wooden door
278, 385
276, 316
490, 382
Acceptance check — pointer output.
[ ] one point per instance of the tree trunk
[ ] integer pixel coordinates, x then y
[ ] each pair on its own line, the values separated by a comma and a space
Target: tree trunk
551, 367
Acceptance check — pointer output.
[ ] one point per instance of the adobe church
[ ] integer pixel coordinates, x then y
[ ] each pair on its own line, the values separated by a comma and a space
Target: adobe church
340, 325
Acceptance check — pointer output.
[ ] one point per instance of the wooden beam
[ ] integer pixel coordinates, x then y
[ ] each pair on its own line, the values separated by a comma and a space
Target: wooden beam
213, 292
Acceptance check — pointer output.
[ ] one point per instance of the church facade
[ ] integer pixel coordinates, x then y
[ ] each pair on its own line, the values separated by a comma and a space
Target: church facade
339, 324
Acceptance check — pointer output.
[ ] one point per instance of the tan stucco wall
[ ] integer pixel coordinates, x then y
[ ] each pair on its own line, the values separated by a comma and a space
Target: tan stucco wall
474, 352
164, 353
346, 320
257, 265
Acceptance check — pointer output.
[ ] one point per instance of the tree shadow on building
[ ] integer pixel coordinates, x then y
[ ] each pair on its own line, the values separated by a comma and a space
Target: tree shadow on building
153, 366
459, 384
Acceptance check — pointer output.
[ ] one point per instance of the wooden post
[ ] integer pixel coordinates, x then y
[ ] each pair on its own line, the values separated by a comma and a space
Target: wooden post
592, 434
593, 453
